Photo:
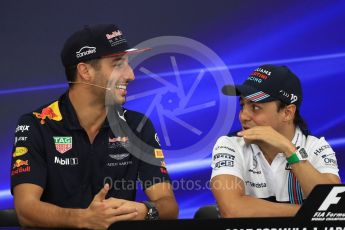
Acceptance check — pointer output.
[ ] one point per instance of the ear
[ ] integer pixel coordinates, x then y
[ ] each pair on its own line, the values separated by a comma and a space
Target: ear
84, 71
289, 113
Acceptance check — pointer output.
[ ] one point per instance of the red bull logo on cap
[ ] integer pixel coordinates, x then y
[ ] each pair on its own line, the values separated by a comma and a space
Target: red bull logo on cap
114, 34
51, 112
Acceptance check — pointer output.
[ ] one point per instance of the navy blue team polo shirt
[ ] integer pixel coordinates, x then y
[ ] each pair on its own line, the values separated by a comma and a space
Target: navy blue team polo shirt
53, 151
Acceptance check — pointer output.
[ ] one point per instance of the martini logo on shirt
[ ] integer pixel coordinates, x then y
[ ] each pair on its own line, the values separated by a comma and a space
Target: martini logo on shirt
63, 144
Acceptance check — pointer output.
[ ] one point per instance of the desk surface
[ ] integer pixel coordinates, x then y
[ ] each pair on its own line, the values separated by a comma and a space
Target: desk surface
231, 224
324, 209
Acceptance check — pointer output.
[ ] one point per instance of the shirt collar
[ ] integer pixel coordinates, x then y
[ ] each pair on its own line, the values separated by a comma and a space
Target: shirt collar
70, 116
256, 150
297, 139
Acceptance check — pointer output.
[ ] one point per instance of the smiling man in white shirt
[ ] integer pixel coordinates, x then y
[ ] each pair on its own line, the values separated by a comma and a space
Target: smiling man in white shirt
273, 163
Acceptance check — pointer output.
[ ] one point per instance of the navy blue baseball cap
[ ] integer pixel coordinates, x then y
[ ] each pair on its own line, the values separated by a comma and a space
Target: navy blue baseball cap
269, 83
93, 42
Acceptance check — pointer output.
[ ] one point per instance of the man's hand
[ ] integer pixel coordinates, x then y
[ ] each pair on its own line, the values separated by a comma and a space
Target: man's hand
269, 136
101, 214
140, 207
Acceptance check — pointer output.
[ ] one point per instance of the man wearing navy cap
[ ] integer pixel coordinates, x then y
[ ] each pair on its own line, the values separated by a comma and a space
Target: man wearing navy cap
273, 163
76, 160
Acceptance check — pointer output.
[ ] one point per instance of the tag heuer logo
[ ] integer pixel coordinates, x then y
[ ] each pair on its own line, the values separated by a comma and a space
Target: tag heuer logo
63, 144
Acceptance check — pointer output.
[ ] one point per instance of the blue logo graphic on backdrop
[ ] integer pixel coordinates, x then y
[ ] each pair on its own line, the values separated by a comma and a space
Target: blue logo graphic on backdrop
178, 85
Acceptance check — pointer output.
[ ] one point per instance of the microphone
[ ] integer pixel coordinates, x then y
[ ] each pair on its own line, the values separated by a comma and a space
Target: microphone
99, 86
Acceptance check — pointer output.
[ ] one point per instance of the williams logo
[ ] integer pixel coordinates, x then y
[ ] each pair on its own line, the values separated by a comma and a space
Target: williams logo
63, 144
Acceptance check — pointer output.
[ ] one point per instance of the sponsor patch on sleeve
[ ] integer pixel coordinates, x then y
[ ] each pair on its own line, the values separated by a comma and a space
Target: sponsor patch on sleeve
20, 166
20, 151
159, 153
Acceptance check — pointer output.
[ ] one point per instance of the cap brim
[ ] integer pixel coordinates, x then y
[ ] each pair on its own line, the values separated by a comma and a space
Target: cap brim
129, 51
247, 92
230, 90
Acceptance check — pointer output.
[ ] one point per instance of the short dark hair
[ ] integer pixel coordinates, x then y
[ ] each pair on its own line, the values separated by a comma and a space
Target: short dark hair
298, 119
71, 71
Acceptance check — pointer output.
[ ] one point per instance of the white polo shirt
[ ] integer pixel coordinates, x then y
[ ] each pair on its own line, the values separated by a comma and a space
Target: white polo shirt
231, 156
